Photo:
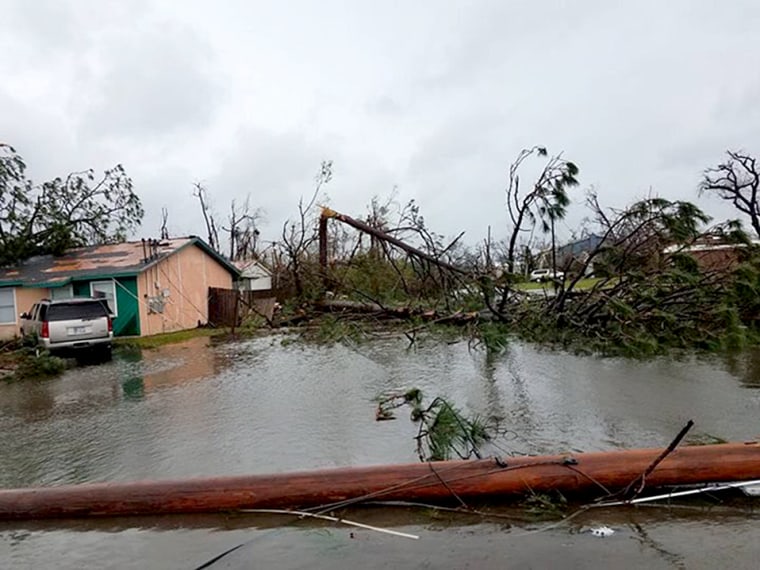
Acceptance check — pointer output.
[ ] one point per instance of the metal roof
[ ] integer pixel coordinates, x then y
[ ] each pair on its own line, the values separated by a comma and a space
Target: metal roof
102, 261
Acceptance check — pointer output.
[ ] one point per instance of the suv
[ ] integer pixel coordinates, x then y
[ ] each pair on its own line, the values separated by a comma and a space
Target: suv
540, 275
70, 327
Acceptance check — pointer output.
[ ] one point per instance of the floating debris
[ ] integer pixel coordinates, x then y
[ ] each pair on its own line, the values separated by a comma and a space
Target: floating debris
602, 531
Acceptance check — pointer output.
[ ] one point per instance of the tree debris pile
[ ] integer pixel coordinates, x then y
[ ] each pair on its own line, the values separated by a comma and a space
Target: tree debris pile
652, 293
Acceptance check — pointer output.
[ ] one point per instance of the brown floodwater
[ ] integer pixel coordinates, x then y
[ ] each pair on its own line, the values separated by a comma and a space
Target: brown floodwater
270, 405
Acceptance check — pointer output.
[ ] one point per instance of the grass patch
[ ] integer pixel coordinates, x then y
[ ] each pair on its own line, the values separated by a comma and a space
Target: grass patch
587, 283
158, 340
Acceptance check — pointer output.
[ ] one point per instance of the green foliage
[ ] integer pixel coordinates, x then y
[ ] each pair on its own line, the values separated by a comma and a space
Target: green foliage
31, 366
81, 209
494, 336
646, 313
332, 329
545, 504
544, 201
375, 277
444, 431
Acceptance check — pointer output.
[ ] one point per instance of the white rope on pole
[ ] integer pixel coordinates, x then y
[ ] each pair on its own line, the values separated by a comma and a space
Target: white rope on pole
708, 489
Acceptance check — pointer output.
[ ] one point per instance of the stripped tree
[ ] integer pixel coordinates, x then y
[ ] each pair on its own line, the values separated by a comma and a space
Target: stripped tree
736, 180
208, 216
299, 235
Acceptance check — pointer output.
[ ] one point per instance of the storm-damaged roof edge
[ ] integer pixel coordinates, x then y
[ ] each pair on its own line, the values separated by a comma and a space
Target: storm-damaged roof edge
64, 279
67, 280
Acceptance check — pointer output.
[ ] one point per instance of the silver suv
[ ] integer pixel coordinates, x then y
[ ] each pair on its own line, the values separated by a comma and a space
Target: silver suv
70, 327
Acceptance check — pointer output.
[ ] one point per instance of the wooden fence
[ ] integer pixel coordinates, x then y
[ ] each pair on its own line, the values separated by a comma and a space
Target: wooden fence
230, 307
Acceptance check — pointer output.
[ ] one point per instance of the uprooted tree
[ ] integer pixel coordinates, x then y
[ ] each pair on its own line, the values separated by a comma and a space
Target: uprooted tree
80, 209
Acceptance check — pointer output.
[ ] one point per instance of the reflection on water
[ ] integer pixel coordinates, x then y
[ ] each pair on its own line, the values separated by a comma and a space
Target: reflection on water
745, 366
644, 538
256, 406
178, 364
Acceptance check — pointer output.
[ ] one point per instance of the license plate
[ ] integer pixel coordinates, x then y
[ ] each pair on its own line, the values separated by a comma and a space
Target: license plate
79, 330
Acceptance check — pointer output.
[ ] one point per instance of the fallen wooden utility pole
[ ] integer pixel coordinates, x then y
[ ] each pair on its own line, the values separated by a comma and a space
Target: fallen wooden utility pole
595, 474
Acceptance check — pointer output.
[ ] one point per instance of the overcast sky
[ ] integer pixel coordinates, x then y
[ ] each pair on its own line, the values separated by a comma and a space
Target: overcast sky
434, 98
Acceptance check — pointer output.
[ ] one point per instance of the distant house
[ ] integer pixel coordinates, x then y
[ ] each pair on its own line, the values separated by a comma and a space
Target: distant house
713, 252
254, 276
570, 256
151, 286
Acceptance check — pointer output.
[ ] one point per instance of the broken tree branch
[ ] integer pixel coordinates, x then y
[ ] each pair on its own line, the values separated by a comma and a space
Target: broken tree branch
640, 481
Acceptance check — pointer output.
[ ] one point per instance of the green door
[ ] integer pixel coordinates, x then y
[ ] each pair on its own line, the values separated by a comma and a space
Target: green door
122, 298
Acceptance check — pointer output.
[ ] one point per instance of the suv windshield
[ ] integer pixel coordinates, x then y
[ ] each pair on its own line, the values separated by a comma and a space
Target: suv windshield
69, 311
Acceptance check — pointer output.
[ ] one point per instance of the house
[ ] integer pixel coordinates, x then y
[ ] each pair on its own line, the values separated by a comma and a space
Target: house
713, 252
151, 286
254, 276
570, 256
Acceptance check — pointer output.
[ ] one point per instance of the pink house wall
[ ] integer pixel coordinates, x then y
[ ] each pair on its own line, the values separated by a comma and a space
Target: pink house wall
183, 280
25, 298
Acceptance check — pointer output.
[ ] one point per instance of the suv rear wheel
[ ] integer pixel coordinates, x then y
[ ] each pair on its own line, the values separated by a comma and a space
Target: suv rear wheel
95, 355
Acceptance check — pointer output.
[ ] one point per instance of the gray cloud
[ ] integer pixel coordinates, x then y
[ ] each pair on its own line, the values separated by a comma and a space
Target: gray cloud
274, 169
153, 85
433, 98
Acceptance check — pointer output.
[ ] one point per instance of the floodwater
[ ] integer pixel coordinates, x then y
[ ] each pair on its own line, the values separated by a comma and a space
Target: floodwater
270, 405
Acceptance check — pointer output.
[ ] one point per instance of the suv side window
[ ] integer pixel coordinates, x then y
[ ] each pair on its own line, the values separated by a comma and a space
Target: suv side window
33, 311
42, 313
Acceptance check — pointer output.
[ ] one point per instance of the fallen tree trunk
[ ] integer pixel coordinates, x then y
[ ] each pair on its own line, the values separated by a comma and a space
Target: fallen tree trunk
588, 473
377, 310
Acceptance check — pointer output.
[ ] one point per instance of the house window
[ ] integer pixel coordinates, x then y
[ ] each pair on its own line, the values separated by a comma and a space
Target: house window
106, 290
7, 306
66, 292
